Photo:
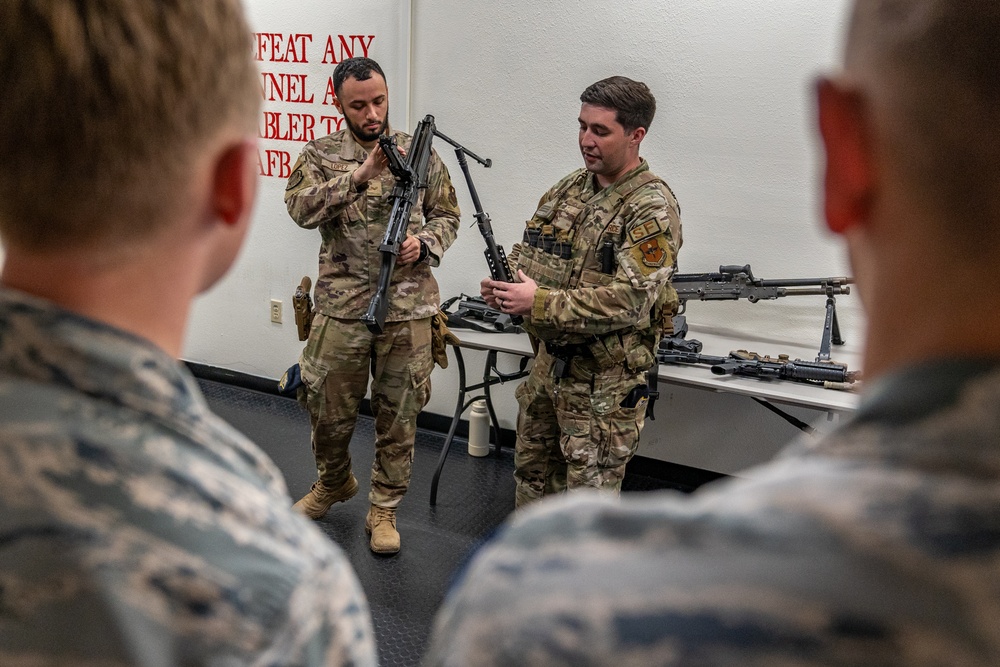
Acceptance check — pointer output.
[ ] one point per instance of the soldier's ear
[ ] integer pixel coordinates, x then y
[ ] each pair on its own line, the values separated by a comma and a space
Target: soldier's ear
234, 185
637, 135
849, 181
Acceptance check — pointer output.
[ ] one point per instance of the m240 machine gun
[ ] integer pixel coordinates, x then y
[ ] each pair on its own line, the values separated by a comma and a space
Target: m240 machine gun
496, 259
734, 282
411, 176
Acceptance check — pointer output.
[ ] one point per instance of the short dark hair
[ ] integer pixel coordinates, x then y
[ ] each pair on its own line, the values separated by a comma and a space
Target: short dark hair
632, 101
358, 68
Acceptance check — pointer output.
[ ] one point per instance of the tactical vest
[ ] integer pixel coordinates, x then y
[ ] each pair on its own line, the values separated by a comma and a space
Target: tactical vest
566, 245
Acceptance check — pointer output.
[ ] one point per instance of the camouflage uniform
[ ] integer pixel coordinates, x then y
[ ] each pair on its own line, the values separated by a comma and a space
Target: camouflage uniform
336, 361
879, 545
137, 528
602, 260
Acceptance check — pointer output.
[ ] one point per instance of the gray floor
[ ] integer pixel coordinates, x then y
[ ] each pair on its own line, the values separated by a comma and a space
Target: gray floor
404, 591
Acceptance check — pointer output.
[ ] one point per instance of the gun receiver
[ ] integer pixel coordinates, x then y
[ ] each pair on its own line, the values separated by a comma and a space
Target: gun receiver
496, 258
410, 176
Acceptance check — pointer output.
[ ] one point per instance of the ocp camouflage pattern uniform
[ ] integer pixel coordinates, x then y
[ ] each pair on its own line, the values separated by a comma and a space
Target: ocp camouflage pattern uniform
603, 259
876, 546
137, 528
341, 352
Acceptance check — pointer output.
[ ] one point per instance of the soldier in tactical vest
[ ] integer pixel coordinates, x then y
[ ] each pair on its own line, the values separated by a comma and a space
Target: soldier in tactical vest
877, 544
593, 272
341, 186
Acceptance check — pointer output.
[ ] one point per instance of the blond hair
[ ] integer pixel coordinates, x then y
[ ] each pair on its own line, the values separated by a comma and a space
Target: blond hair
105, 103
933, 67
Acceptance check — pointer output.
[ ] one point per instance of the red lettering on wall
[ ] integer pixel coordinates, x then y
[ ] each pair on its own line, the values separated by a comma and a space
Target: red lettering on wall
330, 124
277, 164
285, 88
357, 46
287, 126
276, 47
330, 94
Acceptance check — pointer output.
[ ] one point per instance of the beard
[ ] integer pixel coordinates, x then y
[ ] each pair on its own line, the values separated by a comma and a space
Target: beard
364, 135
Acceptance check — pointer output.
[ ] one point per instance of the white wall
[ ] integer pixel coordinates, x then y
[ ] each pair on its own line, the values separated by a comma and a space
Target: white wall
733, 136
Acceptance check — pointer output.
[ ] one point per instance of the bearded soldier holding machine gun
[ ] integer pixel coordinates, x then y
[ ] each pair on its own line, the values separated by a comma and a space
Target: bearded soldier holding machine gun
341, 185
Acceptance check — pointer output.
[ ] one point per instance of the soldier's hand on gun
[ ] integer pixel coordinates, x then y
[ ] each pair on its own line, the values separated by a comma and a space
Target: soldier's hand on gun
515, 298
409, 252
373, 165
486, 291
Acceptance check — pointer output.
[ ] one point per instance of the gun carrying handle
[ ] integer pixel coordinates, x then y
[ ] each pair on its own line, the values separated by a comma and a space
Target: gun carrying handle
733, 268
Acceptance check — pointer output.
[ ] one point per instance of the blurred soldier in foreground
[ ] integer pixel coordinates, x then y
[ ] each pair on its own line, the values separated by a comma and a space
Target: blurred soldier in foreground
340, 184
594, 271
136, 527
878, 545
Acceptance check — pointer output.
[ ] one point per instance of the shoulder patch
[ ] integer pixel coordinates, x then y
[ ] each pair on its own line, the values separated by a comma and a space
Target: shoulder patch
651, 253
295, 179
644, 230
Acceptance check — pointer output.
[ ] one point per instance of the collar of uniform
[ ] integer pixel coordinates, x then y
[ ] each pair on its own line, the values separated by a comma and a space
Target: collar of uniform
41, 342
590, 184
352, 151
917, 391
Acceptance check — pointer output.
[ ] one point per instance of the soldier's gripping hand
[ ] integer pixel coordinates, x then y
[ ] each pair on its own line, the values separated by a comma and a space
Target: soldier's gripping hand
486, 291
515, 298
410, 251
373, 165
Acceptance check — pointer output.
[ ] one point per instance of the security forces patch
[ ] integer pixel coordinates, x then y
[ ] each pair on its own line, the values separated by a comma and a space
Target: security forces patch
651, 253
646, 229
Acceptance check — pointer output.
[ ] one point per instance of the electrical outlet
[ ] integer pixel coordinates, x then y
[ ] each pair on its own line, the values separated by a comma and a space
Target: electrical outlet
276, 311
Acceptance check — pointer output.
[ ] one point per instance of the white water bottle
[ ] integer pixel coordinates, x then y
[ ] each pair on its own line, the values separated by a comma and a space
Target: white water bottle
479, 429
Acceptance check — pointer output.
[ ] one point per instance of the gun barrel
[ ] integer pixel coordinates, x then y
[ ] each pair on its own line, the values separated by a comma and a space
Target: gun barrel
834, 281
378, 307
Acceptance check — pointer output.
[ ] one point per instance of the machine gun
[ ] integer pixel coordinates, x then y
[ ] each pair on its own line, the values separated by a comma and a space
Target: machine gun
828, 374
471, 310
411, 176
496, 259
736, 282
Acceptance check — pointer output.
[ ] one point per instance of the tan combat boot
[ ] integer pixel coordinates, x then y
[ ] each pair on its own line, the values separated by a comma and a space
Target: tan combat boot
317, 502
381, 525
